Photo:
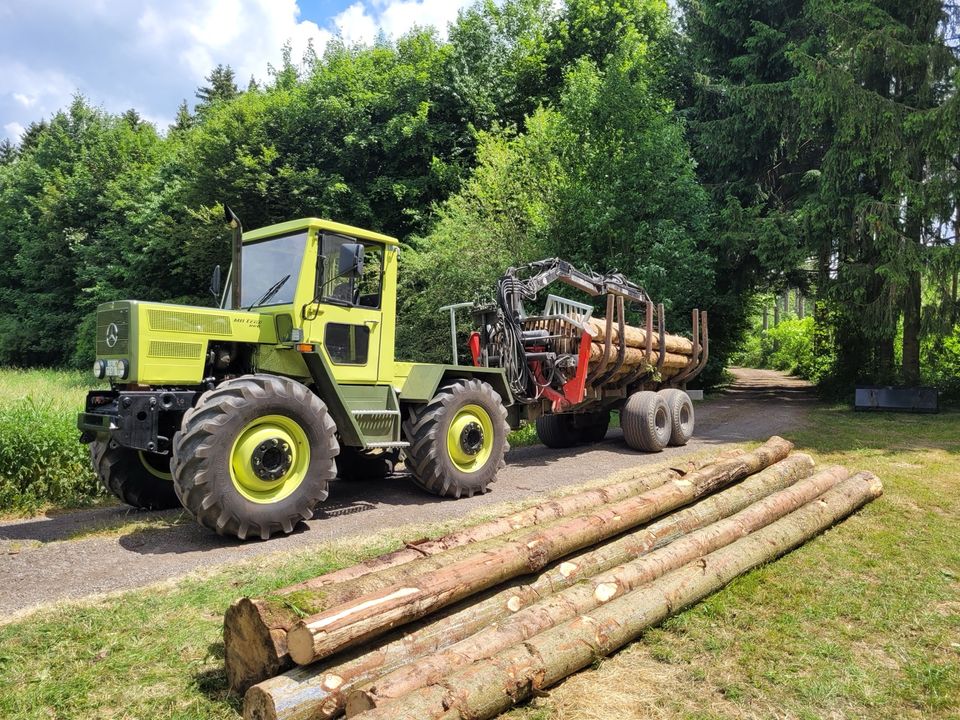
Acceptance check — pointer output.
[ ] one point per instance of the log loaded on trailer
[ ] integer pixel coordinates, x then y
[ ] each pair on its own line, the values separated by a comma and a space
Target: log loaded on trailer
243, 413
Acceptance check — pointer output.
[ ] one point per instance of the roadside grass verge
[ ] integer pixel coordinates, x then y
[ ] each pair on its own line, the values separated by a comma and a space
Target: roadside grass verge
864, 621
42, 464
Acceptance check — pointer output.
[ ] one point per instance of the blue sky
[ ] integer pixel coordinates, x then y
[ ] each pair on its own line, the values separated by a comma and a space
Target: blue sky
151, 54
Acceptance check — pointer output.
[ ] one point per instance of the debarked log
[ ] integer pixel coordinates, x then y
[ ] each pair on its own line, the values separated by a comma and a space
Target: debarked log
489, 687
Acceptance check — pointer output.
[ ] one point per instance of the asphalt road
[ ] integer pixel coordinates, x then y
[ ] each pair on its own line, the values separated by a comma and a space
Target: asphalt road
40, 563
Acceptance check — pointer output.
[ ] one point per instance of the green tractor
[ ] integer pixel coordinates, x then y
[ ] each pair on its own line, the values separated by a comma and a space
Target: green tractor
244, 413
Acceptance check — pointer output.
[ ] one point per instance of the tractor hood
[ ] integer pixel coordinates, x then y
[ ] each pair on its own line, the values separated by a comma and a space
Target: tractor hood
159, 344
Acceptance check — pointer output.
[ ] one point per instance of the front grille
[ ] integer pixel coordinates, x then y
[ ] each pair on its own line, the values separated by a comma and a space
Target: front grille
113, 331
185, 321
170, 349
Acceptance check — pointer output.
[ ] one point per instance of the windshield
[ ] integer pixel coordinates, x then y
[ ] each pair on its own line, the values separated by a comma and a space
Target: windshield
266, 263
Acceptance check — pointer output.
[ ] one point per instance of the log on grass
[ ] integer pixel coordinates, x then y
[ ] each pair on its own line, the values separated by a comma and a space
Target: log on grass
370, 615
637, 338
489, 687
255, 629
586, 596
320, 692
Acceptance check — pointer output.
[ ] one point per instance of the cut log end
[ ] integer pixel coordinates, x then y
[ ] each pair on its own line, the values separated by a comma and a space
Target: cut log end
258, 705
300, 645
252, 652
359, 702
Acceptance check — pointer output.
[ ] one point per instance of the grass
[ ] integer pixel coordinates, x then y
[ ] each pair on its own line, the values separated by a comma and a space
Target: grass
862, 622
42, 464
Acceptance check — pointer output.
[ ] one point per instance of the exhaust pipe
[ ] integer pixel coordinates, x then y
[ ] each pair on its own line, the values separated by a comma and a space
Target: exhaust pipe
237, 245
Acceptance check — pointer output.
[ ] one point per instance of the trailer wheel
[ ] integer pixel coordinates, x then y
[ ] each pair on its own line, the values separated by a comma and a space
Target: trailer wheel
254, 457
645, 419
681, 415
594, 426
358, 464
457, 440
141, 479
557, 431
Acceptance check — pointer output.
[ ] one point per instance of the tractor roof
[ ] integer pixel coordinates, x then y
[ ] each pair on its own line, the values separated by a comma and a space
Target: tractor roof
317, 224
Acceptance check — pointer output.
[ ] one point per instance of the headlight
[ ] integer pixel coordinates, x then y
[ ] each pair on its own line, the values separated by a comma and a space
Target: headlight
111, 368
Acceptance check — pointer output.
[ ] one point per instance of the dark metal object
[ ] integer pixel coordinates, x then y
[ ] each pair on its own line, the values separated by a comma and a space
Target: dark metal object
902, 399
237, 256
138, 419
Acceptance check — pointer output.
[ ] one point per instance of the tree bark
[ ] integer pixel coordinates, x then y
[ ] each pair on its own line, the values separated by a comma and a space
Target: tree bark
255, 630
370, 615
637, 338
911, 329
587, 596
489, 687
312, 692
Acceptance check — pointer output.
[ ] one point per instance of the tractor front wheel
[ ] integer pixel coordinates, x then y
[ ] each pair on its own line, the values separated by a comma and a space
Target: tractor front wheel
458, 439
254, 457
138, 478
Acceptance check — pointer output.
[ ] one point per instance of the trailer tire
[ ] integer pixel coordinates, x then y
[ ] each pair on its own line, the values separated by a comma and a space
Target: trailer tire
595, 428
135, 477
645, 419
254, 456
557, 431
681, 415
457, 440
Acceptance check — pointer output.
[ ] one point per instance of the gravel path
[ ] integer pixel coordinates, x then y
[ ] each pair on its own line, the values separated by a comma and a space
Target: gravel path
39, 563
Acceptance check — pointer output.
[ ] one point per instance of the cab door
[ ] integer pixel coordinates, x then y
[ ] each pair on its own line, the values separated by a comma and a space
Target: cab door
346, 322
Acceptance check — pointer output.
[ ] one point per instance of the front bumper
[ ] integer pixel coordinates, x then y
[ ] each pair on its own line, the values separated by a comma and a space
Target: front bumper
139, 419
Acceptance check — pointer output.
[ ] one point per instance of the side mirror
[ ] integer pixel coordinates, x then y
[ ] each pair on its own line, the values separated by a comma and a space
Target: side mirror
350, 261
215, 282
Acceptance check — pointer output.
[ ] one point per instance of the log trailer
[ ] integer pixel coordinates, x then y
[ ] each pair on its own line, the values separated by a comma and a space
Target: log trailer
243, 413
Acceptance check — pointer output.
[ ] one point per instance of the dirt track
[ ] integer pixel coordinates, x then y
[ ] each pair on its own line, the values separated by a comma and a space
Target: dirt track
39, 563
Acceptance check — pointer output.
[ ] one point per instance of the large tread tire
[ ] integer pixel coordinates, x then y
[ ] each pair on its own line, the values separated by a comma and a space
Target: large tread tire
681, 415
355, 464
428, 459
124, 472
557, 431
202, 449
595, 429
645, 419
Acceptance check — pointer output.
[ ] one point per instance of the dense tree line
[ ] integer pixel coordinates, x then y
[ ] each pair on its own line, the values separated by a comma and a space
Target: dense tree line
741, 147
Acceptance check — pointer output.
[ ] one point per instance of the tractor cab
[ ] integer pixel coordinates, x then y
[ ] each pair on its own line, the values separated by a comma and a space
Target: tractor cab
327, 285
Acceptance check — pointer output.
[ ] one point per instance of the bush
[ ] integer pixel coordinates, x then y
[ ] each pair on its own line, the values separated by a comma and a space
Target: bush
41, 461
788, 346
941, 364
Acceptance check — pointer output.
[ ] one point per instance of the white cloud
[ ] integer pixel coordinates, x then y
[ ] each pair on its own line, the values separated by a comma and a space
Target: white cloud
14, 130
150, 54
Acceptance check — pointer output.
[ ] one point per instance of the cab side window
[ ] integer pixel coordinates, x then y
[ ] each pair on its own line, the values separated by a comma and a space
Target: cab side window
363, 291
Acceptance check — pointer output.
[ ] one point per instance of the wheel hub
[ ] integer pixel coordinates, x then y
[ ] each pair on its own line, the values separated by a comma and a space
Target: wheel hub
471, 438
272, 459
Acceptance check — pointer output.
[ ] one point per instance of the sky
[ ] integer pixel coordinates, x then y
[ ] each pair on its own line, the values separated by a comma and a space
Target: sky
152, 54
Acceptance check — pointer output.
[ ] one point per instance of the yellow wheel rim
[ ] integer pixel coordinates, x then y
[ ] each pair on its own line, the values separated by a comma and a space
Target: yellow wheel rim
470, 438
151, 469
269, 459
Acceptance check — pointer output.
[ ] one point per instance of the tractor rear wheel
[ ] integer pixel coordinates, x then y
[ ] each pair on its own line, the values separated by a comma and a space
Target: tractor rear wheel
141, 479
458, 439
254, 457
681, 415
645, 419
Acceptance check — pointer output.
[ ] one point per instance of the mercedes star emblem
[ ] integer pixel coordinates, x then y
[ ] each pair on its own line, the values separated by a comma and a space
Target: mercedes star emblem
113, 334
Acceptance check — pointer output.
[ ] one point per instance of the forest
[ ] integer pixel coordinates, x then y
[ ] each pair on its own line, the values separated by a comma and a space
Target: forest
722, 153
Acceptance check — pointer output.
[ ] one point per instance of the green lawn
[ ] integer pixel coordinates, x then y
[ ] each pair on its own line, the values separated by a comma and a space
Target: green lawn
862, 622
